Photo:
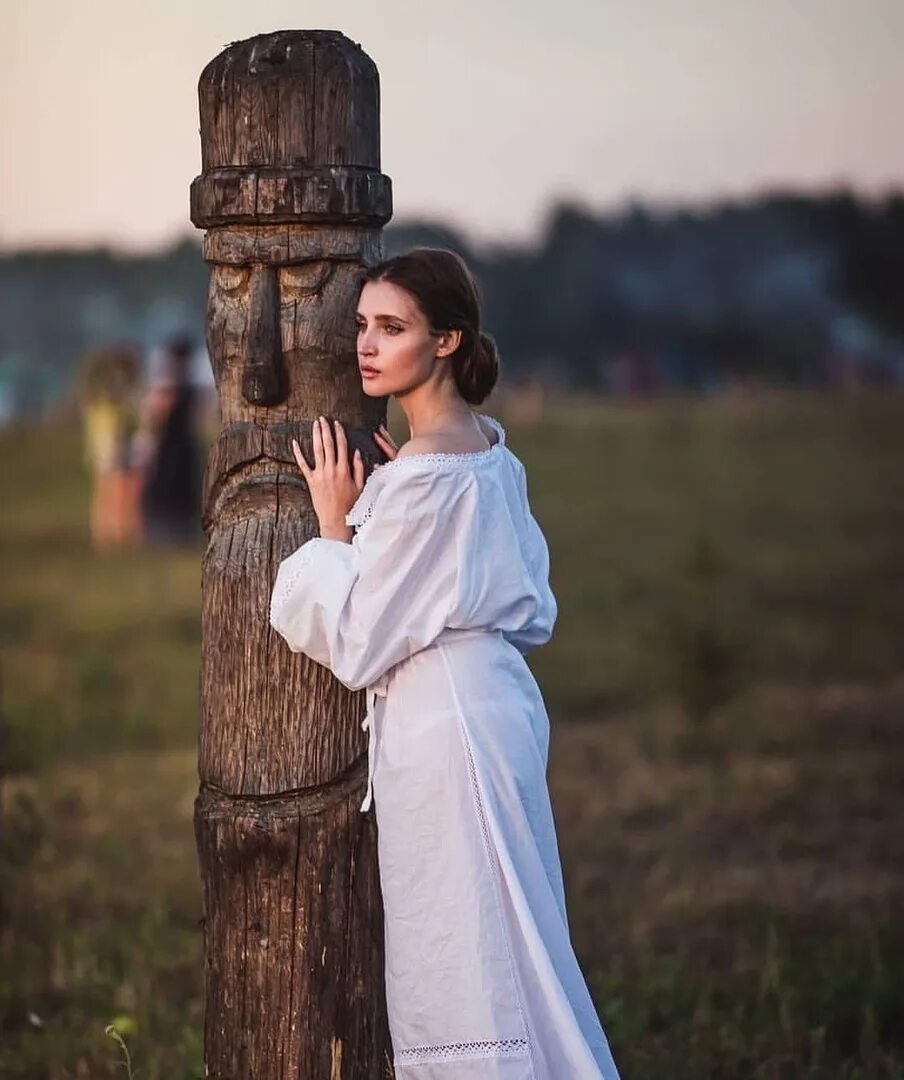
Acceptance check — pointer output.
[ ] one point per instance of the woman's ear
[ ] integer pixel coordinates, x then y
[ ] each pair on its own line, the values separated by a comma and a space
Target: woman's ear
448, 342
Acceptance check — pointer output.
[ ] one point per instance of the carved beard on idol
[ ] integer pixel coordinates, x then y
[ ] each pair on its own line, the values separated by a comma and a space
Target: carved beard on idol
281, 311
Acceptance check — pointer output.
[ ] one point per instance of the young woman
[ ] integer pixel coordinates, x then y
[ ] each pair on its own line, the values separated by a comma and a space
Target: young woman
431, 605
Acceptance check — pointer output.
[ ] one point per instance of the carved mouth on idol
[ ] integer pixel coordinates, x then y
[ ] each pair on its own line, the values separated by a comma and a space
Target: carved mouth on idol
251, 488
251, 469
247, 468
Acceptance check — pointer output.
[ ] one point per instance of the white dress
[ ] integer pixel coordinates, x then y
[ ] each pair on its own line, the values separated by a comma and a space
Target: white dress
430, 607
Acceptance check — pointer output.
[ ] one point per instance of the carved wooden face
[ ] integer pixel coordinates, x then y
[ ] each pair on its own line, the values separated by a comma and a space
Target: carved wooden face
274, 333
282, 341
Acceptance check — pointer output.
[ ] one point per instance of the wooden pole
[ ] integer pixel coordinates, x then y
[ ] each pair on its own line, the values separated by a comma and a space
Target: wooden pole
293, 201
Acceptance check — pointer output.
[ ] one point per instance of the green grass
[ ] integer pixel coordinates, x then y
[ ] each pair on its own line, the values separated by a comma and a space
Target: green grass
774, 532
726, 690
100, 651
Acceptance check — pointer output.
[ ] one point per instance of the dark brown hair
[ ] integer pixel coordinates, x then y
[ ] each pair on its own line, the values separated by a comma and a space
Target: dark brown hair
446, 292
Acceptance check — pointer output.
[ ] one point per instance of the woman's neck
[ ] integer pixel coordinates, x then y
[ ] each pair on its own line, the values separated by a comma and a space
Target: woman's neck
437, 415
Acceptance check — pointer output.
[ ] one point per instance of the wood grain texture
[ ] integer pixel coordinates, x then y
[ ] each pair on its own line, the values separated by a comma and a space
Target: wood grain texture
308, 947
293, 201
329, 195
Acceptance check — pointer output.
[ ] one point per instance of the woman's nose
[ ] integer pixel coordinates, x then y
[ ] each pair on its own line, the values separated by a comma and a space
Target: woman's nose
263, 374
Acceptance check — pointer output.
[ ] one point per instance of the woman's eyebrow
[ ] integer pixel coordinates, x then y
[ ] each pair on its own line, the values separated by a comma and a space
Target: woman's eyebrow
385, 318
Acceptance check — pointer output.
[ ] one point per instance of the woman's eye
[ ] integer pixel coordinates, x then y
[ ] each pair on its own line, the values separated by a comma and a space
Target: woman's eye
390, 328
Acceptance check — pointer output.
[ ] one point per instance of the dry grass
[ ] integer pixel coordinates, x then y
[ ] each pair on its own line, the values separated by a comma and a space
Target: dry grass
727, 698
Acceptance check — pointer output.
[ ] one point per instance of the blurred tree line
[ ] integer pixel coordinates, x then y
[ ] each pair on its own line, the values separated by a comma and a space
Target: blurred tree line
786, 288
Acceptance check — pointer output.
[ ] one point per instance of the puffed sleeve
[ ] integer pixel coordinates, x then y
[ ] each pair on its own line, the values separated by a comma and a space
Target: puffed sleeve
538, 626
359, 608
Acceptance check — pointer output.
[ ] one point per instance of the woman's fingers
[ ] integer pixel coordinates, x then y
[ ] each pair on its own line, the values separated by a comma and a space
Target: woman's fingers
358, 470
330, 457
385, 431
388, 446
341, 447
329, 447
299, 458
317, 438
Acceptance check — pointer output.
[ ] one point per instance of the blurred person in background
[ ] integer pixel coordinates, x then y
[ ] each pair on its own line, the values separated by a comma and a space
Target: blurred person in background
167, 448
109, 381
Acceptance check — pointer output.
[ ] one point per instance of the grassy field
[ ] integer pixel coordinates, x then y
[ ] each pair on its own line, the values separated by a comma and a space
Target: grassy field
726, 689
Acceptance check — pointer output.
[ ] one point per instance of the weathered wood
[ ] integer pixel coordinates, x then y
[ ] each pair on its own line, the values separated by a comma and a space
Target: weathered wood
293, 200
290, 195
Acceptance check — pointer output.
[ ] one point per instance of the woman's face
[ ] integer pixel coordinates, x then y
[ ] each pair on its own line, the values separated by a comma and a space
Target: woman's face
396, 351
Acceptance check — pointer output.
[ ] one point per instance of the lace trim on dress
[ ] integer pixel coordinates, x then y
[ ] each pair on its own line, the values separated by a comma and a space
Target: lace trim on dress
451, 457
287, 581
427, 1055
442, 457
363, 507
362, 510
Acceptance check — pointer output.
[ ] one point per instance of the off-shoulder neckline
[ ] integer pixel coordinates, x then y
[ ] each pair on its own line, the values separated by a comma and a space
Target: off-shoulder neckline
455, 458
362, 510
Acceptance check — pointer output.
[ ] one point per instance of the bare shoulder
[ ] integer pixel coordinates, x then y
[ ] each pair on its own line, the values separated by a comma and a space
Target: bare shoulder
457, 443
423, 444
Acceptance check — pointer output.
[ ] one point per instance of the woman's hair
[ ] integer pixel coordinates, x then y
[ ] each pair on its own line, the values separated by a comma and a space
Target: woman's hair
447, 294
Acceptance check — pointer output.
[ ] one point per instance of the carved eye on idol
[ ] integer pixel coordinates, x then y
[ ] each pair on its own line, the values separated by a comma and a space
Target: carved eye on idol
230, 280
303, 281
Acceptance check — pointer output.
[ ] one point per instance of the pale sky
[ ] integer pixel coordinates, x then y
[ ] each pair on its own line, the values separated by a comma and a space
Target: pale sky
491, 109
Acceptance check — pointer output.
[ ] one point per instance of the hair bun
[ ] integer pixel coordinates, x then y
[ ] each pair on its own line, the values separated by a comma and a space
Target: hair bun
478, 373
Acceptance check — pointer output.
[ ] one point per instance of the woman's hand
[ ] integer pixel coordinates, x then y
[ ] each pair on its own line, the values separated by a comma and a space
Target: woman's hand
384, 441
334, 488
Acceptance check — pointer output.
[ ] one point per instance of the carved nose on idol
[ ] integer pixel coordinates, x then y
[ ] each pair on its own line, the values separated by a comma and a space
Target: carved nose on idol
263, 375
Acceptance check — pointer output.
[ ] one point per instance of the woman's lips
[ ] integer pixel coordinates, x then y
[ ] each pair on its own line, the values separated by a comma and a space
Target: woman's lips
368, 372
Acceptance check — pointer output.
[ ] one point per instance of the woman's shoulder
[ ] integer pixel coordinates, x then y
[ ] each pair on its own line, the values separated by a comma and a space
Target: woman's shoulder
425, 481
433, 453
437, 446
433, 444
405, 486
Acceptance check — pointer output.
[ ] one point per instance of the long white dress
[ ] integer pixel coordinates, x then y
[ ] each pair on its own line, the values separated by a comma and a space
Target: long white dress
430, 607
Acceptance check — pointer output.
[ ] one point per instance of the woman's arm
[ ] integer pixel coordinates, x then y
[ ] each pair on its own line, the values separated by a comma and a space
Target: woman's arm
361, 608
